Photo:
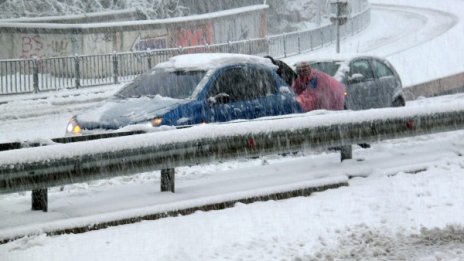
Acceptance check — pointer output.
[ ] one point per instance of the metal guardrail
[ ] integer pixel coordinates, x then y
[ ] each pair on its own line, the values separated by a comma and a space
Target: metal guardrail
38, 168
47, 74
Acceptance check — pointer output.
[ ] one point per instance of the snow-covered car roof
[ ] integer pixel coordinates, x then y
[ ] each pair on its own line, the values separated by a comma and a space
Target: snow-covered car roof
345, 57
341, 58
207, 61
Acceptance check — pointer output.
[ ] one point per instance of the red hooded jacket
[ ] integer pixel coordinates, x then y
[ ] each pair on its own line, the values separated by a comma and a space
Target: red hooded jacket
319, 91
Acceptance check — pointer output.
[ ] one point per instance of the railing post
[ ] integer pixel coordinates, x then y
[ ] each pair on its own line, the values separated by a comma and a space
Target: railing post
149, 62
311, 42
35, 74
268, 45
115, 68
229, 46
180, 50
77, 69
346, 152
352, 26
167, 180
40, 199
299, 43
249, 43
322, 37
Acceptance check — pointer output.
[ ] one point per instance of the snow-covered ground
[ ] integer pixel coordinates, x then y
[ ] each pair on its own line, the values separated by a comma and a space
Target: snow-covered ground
390, 215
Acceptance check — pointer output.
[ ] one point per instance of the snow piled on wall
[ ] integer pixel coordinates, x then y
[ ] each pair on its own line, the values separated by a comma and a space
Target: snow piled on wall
38, 8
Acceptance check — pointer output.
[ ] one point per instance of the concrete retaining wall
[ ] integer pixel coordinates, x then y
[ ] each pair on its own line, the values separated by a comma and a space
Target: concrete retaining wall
26, 40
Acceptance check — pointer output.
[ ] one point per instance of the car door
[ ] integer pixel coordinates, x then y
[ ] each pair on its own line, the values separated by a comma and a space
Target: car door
225, 95
246, 92
266, 94
261, 96
361, 86
387, 83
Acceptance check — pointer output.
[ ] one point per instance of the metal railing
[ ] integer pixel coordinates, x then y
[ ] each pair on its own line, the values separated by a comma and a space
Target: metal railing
38, 168
47, 74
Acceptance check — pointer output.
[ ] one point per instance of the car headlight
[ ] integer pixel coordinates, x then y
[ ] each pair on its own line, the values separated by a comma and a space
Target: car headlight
73, 126
156, 122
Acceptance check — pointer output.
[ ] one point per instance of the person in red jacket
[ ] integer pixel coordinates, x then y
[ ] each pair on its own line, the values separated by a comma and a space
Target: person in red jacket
317, 90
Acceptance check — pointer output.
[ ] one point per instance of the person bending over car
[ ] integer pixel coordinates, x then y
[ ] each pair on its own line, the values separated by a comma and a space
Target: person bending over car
317, 90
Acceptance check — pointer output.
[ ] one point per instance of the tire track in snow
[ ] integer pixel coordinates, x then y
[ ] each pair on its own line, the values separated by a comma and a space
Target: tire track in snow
364, 243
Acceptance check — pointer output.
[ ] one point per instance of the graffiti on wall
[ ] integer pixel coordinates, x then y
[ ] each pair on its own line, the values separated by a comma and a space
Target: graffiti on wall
31, 46
195, 35
35, 45
149, 42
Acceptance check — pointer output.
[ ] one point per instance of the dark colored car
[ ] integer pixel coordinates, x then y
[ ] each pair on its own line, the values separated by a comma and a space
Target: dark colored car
193, 89
371, 82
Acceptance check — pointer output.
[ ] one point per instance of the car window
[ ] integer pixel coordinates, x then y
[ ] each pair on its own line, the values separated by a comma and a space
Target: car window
244, 84
328, 67
230, 82
381, 69
260, 83
174, 84
362, 67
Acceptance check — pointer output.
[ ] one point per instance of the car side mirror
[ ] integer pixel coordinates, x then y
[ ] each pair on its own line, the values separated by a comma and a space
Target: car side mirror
355, 78
220, 98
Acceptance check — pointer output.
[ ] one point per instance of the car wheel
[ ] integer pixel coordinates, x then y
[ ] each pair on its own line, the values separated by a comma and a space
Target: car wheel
399, 102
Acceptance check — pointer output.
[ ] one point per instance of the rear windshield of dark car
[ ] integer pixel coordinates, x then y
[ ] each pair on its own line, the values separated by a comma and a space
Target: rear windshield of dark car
329, 67
174, 84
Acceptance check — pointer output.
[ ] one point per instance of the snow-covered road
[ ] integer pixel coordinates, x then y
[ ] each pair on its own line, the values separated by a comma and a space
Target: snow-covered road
390, 215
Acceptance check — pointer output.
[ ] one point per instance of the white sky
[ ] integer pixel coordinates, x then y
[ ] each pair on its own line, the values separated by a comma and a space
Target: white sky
390, 214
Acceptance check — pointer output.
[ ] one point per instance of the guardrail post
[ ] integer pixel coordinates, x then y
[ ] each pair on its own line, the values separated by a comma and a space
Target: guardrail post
115, 68
167, 180
322, 37
180, 50
149, 62
35, 74
346, 152
299, 42
40, 199
77, 69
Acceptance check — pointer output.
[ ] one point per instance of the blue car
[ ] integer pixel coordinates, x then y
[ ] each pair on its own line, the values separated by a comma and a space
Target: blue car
193, 89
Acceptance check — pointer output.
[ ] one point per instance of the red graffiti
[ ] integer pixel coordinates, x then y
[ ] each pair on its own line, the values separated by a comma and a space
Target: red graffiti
31, 46
200, 35
36, 46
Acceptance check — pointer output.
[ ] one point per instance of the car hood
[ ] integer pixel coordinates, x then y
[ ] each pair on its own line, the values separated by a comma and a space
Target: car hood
118, 113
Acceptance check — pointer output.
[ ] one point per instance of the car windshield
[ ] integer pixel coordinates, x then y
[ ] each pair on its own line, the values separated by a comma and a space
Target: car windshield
329, 67
178, 84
